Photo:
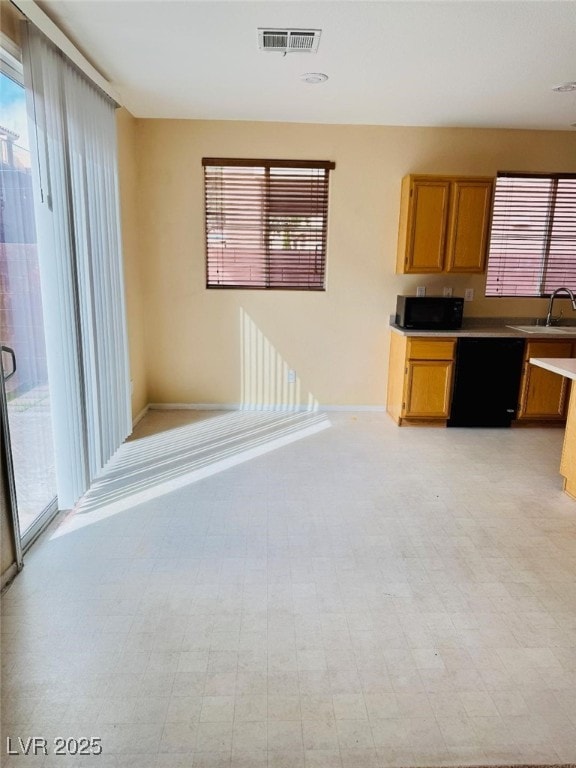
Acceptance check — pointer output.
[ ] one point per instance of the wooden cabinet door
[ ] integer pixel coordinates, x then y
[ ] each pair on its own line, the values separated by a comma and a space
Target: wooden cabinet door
543, 393
469, 225
428, 389
568, 460
426, 226
396, 375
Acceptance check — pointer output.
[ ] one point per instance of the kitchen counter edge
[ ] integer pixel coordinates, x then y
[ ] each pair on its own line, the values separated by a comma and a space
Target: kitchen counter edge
565, 366
489, 329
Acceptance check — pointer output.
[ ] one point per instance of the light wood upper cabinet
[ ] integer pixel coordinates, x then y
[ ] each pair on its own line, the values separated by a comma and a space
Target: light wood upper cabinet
543, 394
470, 204
423, 223
444, 223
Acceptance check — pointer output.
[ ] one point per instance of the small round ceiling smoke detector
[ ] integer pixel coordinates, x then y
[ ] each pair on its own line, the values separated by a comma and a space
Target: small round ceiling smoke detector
313, 78
565, 87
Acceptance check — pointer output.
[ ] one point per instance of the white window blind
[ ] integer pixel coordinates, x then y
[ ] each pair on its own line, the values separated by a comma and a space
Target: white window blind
532, 247
266, 223
77, 212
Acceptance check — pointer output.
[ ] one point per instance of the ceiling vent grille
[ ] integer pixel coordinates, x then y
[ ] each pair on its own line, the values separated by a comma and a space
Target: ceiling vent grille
289, 40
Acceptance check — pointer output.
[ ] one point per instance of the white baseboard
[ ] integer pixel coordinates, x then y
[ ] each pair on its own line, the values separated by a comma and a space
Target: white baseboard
194, 406
242, 407
366, 408
140, 416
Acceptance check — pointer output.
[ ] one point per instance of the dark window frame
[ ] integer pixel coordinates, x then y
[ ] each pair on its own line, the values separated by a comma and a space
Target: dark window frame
266, 223
532, 244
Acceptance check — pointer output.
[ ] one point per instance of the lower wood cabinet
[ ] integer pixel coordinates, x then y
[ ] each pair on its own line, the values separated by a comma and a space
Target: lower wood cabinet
421, 373
420, 379
427, 393
567, 462
543, 394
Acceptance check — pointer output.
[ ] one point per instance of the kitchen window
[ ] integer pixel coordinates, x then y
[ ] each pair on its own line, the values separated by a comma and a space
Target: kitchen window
532, 248
266, 223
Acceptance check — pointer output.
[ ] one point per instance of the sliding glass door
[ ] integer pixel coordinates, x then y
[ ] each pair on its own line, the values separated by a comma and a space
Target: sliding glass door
27, 423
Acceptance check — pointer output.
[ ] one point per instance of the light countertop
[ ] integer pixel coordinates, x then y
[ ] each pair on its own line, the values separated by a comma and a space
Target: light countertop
565, 366
477, 327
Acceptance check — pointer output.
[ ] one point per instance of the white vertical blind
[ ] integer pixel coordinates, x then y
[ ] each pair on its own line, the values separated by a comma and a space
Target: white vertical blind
80, 262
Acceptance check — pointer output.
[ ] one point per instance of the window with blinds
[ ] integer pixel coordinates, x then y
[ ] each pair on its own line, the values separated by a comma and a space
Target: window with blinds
532, 247
266, 223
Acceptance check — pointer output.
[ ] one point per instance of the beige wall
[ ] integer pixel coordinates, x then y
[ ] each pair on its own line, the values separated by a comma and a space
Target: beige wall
233, 346
128, 171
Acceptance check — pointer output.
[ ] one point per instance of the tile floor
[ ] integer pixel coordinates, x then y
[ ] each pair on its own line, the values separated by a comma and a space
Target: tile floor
363, 596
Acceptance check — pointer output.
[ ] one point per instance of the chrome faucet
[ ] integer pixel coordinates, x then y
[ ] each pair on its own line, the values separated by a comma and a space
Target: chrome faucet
553, 296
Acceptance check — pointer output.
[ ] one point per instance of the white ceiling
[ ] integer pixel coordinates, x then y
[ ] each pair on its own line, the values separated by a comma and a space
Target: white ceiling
406, 62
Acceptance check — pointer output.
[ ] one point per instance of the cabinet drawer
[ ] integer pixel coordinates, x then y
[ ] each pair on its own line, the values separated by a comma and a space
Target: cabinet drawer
431, 349
548, 349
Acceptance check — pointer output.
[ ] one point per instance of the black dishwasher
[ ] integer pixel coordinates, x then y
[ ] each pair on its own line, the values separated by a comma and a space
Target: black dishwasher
486, 382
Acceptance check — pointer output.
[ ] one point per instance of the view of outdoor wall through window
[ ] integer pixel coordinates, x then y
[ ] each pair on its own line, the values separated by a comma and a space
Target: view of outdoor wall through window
266, 223
24, 369
533, 236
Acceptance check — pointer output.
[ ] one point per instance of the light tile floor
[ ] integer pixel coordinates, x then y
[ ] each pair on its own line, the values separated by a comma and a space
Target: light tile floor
364, 596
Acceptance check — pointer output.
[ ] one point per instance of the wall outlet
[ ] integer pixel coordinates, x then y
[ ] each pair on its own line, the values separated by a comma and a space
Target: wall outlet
469, 294
421, 290
291, 376
447, 291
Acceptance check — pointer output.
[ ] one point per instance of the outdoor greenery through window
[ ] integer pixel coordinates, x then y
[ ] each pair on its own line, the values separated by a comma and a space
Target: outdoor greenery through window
532, 247
266, 223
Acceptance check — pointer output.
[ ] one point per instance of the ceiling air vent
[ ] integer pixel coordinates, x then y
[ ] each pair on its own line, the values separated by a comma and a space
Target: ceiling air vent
289, 40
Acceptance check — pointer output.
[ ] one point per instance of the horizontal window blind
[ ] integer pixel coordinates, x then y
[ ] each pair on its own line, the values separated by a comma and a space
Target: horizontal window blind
266, 223
532, 247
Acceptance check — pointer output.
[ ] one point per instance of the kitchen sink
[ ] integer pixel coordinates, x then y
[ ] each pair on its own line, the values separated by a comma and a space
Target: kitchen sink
545, 329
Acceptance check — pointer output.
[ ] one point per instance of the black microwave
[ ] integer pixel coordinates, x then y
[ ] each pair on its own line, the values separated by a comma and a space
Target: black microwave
429, 313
